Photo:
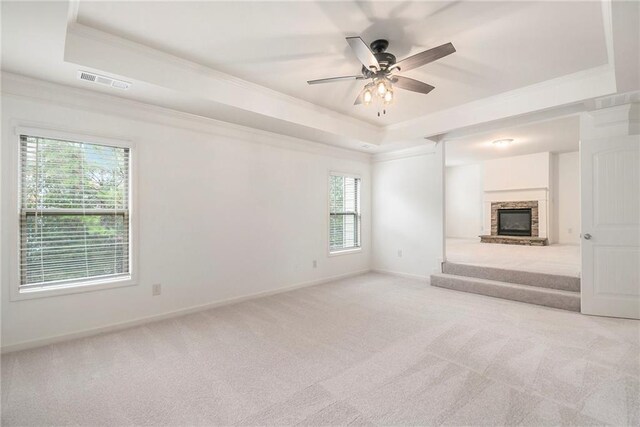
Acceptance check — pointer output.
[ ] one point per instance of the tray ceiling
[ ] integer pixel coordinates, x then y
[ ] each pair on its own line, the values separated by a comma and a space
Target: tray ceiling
248, 62
500, 45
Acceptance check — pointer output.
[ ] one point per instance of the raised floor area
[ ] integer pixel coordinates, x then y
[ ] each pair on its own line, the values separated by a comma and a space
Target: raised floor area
369, 350
552, 259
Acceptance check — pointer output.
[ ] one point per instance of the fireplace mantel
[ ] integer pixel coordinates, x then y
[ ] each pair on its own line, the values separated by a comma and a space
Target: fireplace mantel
517, 190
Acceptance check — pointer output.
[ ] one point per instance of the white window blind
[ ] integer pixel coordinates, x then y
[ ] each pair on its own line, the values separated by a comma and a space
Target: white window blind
344, 213
74, 212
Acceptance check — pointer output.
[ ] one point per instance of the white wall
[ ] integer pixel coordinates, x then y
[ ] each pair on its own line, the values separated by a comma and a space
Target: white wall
464, 201
517, 173
567, 200
407, 206
223, 213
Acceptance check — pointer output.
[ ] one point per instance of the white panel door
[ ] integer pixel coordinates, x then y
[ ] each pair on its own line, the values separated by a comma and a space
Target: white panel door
610, 199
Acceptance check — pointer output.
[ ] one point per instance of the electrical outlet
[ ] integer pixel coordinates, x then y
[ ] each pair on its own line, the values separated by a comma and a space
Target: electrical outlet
156, 289
399, 253
315, 264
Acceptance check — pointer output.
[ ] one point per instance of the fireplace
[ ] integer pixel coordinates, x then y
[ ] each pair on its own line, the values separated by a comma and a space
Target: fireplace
514, 222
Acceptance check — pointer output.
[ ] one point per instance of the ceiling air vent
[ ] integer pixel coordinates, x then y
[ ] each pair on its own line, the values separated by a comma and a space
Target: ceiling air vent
103, 80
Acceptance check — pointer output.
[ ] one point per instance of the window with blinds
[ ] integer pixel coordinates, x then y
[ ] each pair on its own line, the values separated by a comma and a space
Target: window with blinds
74, 212
344, 213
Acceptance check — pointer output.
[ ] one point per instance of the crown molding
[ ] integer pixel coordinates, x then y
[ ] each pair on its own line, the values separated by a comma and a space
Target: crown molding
422, 150
559, 92
76, 29
607, 25
89, 47
517, 122
632, 97
22, 87
72, 12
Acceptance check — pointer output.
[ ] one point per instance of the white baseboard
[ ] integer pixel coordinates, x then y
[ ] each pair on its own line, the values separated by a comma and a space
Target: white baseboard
400, 274
176, 313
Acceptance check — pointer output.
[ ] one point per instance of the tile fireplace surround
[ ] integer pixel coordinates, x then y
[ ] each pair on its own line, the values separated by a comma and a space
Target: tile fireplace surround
534, 239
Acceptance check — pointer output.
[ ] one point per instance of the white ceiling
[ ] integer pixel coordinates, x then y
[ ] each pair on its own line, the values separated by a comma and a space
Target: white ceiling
247, 62
557, 136
280, 45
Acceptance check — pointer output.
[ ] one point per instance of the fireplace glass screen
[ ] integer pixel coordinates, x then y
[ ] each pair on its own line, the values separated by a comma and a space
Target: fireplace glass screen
514, 222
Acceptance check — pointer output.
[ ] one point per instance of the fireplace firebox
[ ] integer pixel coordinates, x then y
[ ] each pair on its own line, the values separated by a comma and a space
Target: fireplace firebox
514, 222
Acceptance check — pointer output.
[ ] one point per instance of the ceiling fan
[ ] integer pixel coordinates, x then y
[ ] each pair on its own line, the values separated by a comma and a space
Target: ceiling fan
382, 69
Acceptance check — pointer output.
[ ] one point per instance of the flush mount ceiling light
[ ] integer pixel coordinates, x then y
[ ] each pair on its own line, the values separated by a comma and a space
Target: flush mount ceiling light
502, 142
381, 67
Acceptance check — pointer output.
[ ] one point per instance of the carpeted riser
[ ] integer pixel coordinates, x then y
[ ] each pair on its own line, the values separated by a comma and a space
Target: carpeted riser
540, 280
531, 295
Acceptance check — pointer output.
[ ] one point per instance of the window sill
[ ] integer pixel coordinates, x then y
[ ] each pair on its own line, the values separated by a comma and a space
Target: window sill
73, 288
345, 252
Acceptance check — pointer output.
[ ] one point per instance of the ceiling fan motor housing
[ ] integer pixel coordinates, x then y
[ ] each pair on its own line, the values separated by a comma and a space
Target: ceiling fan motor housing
379, 46
385, 59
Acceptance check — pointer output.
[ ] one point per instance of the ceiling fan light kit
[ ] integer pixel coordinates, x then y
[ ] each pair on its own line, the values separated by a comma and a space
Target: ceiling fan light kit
382, 69
379, 91
367, 96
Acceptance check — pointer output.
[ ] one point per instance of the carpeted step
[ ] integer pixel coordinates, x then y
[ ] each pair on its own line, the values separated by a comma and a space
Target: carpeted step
540, 280
555, 298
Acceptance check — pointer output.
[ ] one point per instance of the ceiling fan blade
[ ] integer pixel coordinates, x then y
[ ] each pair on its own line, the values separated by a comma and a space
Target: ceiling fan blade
411, 84
334, 79
422, 58
363, 52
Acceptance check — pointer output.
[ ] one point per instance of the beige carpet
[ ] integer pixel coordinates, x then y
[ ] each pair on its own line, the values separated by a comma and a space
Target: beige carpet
373, 349
554, 259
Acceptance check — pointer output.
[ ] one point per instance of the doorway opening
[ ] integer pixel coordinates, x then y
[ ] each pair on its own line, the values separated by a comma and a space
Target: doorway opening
515, 207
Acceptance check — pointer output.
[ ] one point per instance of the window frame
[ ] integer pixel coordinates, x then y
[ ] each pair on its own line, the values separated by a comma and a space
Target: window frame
79, 285
348, 251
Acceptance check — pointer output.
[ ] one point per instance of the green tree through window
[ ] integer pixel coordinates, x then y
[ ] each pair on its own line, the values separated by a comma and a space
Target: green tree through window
74, 211
344, 213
